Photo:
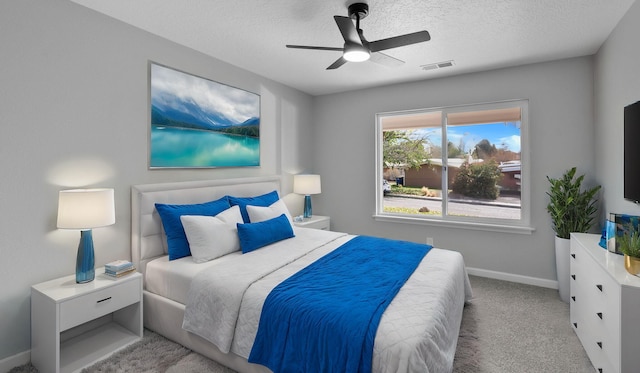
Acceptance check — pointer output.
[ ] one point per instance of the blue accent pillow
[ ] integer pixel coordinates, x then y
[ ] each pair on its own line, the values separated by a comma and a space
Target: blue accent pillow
177, 243
263, 200
256, 235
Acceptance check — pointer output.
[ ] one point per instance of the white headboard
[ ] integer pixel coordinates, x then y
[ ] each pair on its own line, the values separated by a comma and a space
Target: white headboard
147, 235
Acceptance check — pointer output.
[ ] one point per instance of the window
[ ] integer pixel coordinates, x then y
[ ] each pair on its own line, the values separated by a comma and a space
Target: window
462, 165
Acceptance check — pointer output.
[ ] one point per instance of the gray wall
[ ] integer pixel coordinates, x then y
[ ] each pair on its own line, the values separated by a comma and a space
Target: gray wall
74, 113
617, 84
561, 136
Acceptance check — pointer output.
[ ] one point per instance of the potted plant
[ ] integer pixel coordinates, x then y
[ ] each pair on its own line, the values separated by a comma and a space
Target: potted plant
572, 209
630, 246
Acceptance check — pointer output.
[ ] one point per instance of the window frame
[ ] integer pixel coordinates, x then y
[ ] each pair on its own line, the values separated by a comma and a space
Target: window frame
522, 225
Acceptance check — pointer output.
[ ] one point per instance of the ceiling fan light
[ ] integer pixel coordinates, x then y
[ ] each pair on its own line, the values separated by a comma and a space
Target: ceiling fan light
356, 54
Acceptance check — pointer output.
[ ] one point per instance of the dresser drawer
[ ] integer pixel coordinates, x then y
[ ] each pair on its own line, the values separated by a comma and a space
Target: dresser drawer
609, 335
583, 290
76, 311
607, 290
600, 360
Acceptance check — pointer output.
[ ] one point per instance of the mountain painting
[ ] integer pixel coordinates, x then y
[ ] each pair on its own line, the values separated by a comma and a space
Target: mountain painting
199, 123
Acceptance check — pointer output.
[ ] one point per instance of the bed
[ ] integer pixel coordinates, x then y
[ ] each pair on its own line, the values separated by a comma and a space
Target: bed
417, 332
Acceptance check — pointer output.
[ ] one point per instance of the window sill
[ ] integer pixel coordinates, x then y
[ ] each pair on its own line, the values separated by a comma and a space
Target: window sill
503, 228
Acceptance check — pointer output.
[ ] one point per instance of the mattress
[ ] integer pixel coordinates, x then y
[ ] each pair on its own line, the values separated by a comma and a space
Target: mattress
418, 331
172, 279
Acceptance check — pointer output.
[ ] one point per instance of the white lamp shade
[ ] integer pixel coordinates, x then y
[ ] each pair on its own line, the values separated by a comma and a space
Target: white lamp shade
85, 208
306, 184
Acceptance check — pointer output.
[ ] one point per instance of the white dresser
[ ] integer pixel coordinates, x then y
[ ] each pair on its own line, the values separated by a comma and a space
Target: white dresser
605, 306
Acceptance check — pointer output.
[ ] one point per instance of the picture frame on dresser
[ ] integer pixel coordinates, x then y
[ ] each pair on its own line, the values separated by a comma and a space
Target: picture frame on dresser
616, 226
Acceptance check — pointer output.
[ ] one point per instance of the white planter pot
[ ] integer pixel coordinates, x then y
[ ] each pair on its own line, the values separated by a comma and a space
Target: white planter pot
563, 248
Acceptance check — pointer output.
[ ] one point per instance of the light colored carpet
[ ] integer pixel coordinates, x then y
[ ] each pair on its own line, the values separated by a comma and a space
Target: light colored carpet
517, 328
507, 327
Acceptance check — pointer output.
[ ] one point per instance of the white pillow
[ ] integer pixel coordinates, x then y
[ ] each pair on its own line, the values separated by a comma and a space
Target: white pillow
211, 237
260, 213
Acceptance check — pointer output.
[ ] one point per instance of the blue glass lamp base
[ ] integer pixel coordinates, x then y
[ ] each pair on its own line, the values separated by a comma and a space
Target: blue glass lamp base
85, 261
307, 207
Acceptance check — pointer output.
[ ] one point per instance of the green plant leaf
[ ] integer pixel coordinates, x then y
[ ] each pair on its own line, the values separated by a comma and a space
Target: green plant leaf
571, 208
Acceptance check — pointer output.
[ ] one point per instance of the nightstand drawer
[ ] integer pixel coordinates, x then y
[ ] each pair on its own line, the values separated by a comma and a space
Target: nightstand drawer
93, 305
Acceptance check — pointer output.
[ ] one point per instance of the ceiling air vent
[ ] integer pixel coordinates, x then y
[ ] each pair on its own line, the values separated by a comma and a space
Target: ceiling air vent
438, 65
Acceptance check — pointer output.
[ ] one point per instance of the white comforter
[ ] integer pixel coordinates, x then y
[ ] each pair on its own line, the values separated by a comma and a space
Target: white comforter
417, 333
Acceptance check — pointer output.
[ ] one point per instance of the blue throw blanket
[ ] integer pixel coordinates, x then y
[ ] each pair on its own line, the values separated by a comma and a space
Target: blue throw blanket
325, 317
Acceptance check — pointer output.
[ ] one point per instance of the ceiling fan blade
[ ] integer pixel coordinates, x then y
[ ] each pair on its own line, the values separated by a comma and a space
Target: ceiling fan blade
385, 59
315, 48
348, 30
339, 62
399, 41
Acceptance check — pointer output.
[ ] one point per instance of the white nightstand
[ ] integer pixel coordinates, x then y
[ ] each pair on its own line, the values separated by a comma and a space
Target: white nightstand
315, 221
74, 325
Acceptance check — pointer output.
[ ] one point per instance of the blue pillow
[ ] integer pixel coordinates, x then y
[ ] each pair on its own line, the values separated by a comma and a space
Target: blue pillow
263, 200
177, 243
256, 235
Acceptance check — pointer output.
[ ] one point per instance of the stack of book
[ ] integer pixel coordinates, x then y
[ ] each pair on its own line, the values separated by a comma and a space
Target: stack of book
119, 268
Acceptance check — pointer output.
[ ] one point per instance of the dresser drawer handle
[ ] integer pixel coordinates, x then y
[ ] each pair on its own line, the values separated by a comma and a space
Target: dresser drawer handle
573, 277
599, 370
103, 300
599, 344
575, 325
573, 298
573, 256
599, 287
599, 315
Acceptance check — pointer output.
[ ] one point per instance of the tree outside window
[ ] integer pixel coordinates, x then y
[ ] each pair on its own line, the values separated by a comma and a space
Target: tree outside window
458, 163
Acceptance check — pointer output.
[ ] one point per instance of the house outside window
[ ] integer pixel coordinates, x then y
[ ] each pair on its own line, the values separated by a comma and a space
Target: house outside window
461, 166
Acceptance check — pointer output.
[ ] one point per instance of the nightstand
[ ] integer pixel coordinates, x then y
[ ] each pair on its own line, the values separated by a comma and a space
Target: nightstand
315, 221
74, 325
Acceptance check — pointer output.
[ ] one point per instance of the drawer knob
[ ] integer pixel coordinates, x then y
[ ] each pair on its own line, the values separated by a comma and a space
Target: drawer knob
573, 298
599, 287
599, 315
599, 344
575, 325
599, 370
573, 277
573, 256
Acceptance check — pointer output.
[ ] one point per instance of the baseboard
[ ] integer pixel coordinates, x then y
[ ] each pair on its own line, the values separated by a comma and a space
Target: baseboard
10, 362
513, 278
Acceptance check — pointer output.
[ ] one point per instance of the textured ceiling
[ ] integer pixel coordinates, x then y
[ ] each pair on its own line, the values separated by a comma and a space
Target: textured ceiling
476, 34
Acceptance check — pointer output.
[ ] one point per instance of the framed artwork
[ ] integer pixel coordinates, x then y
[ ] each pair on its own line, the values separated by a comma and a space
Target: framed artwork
200, 123
616, 226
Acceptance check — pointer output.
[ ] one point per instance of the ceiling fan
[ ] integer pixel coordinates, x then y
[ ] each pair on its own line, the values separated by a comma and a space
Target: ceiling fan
357, 48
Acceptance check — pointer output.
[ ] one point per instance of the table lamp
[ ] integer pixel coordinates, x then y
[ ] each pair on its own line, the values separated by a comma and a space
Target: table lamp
307, 185
85, 209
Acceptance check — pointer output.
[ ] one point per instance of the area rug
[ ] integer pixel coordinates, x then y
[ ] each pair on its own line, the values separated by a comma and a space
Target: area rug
157, 354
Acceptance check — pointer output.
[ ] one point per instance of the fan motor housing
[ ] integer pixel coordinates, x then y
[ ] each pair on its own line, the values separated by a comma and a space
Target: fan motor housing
358, 10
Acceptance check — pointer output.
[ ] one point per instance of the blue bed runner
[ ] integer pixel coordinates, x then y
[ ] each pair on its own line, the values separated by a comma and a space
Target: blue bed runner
325, 317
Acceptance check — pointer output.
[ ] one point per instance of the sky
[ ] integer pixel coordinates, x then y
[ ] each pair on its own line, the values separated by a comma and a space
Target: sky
502, 135
233, 103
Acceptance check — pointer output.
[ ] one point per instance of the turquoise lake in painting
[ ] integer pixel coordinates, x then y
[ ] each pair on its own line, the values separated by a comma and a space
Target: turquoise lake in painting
175, 147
